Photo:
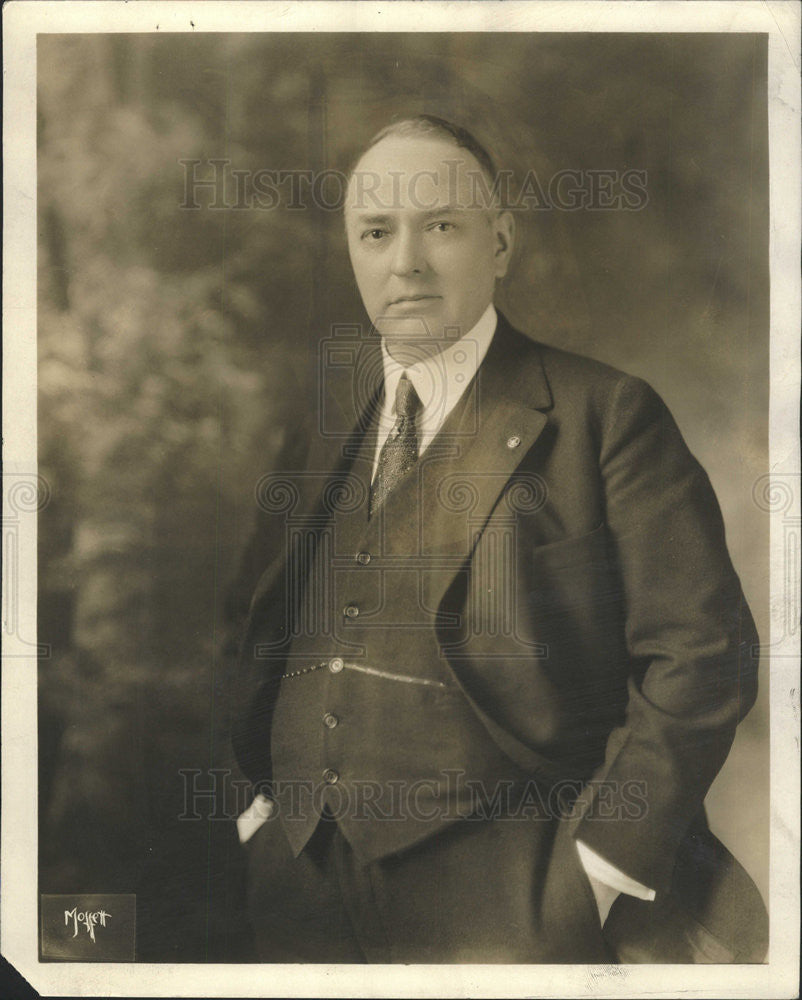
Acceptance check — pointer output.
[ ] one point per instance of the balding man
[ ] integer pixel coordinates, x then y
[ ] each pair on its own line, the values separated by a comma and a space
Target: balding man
488, 682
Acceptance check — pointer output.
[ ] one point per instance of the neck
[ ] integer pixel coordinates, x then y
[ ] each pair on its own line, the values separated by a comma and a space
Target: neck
407, 352
415, 351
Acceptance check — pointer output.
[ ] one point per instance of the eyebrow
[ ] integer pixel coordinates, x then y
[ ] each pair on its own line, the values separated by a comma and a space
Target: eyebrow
444, 210
377, 220
373, 220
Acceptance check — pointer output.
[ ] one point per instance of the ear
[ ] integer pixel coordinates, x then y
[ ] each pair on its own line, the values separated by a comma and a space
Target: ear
504, 228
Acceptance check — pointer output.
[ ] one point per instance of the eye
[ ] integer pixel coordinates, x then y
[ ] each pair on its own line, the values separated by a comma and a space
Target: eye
374, 235
442, 227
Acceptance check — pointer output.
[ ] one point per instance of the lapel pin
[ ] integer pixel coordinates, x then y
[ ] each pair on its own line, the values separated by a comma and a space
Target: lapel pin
513, 442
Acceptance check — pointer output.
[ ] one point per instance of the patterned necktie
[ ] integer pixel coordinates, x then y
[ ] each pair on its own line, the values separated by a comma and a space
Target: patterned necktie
400, 451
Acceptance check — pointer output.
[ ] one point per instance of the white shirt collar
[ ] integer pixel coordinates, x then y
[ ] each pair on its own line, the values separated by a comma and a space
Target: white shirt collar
439, 380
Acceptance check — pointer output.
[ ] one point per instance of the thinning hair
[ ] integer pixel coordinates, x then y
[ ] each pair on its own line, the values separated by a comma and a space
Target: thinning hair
434, 127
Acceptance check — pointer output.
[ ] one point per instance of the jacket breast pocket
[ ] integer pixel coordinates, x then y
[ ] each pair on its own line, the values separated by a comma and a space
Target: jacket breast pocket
575, 603
590, 548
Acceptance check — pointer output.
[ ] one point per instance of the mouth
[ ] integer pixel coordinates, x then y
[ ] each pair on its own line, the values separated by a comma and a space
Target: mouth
408, 299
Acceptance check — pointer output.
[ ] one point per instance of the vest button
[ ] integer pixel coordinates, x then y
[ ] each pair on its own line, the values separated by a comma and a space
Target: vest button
513, 442
336, 665
330, 776
350, 611
363, 558
330, 721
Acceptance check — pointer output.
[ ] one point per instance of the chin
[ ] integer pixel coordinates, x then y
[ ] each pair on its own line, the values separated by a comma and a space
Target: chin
409, 329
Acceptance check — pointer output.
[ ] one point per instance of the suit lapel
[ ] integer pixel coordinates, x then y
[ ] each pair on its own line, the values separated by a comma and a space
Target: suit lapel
502, 420
347, 394
347, 399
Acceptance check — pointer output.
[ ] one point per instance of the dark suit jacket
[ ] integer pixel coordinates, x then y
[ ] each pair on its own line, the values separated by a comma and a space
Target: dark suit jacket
620, 654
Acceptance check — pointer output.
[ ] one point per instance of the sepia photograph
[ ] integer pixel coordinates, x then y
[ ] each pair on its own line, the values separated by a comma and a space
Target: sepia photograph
411, 504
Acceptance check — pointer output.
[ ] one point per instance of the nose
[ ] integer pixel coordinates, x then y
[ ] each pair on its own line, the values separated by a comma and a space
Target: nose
407, 254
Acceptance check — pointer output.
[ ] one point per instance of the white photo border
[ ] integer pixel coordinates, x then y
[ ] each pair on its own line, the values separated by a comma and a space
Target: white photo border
22, 22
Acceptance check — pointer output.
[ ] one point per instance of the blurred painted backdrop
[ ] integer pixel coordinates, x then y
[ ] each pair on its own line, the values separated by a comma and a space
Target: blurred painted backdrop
177, 357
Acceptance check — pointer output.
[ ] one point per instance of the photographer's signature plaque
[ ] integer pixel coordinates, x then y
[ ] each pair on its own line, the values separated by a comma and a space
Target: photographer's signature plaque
89, 927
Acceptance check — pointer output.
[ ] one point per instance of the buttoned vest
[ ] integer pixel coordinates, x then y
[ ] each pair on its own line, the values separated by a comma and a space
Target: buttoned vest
368, 722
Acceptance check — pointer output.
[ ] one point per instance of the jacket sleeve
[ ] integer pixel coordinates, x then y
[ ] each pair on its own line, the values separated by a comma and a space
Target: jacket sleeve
690, 637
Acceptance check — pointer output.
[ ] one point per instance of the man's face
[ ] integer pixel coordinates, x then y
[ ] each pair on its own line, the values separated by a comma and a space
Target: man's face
425, 248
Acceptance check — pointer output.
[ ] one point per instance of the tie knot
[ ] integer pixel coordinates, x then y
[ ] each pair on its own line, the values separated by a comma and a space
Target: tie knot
407, 400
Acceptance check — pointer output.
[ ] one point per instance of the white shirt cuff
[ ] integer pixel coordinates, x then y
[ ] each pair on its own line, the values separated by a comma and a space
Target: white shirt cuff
596, 867
256, 815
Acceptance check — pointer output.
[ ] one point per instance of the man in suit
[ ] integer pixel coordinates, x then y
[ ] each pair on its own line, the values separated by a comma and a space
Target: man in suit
488, 680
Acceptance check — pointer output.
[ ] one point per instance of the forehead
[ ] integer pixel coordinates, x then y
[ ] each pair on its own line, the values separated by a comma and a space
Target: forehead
413, 172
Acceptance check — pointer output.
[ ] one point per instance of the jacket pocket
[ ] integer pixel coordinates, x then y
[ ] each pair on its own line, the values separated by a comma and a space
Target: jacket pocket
591, 546
569, 911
